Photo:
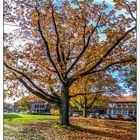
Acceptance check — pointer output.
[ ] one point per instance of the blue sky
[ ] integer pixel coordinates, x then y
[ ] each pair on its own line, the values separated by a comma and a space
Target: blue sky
110, 6
121, 83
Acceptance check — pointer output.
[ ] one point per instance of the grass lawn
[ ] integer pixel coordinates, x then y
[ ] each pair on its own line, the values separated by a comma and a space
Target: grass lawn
21, 119
43, 127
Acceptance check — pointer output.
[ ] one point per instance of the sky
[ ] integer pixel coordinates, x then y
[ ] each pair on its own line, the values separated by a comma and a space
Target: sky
121, 83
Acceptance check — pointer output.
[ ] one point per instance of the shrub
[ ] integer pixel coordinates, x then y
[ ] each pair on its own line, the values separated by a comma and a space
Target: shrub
55, 112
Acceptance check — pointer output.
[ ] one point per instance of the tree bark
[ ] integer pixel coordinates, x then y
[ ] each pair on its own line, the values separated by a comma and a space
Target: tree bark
85, 108
84, 112
64, 106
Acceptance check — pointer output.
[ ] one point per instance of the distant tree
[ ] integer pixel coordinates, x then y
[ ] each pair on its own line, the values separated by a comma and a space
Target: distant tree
7, 105
86, 97
55, 44
26, 106
130, 78
88, 101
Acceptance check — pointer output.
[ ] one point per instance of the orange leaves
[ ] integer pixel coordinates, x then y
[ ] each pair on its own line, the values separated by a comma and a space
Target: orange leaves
35, 34
80, 128
30, 98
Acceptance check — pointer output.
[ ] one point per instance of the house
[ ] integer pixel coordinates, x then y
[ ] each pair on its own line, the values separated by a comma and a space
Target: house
124, 105
7, 107
37, 105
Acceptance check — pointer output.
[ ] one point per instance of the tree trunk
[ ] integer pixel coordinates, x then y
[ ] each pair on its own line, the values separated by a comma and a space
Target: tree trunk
85, 107
64, 106
84, 112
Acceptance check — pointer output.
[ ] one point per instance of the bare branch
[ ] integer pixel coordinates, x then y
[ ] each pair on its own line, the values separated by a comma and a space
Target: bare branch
131, 12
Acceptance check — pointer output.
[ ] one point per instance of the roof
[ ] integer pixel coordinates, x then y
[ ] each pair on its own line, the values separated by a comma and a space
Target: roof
30, 99
122, 99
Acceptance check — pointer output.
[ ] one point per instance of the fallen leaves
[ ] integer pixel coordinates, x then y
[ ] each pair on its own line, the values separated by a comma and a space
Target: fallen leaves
81, 129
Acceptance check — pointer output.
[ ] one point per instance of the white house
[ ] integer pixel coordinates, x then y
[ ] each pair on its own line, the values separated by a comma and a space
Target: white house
124, 105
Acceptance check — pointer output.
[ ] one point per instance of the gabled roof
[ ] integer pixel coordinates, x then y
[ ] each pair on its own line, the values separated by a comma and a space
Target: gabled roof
122, 99
30, 98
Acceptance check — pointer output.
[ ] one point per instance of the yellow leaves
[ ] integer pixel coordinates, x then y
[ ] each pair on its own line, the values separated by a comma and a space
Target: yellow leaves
33, 15
11, 77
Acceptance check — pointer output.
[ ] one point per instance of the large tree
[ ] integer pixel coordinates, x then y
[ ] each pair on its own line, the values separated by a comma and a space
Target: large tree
58, 42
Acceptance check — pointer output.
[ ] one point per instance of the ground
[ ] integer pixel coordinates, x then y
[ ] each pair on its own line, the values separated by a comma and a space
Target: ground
43, 127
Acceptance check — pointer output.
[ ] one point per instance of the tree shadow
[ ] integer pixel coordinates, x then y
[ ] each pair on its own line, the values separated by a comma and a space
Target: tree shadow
101, 133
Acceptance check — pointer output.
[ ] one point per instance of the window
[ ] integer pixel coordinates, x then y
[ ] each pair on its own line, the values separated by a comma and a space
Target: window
110, 105
125, 112
119, 111
110, 111
130, 106
119, 105
114, 105
114, 112
41, 106
36, 106
124, 106
134, 106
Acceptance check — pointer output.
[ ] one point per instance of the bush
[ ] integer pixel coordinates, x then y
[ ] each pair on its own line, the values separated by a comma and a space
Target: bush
55, 112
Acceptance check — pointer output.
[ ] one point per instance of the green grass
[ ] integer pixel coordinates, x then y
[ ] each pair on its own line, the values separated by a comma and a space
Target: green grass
21, 119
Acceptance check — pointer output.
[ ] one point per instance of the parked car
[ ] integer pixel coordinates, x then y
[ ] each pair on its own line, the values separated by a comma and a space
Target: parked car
94, 115
133, 117
113, 117
75, 115
91, 115
120, 117
104, 116
125, 117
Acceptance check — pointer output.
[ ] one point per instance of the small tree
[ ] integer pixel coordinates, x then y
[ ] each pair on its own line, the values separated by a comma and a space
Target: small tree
24, 106
90, 92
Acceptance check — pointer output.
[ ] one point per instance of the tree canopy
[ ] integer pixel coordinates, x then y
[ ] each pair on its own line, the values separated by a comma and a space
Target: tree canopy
56, 44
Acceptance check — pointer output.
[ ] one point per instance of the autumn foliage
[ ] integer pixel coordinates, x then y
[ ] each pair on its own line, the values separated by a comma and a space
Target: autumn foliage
60, 43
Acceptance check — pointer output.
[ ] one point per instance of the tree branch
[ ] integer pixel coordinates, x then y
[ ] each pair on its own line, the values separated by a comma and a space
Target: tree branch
58, 42
34, 91
47, 48
94, 100
78, 94
85, 47
131, 12
112, 64
30, 81
107, 52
